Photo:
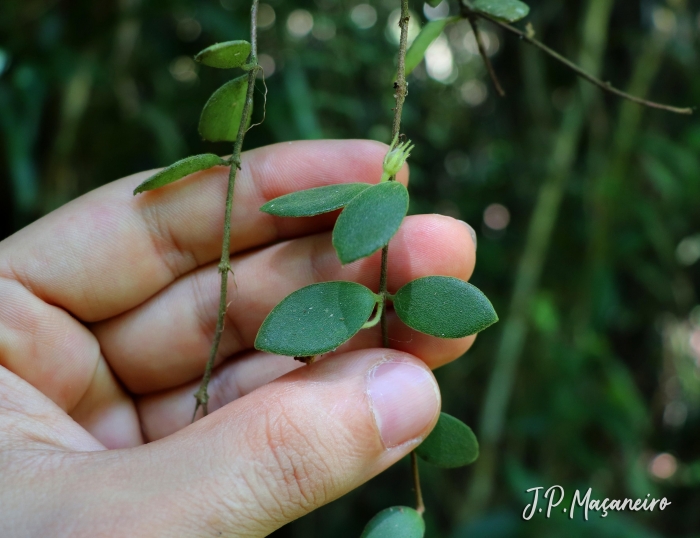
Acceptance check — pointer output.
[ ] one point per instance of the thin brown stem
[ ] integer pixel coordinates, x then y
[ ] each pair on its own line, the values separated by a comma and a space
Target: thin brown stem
400, 93
383, 293
202, 395
528, 37
420, 505
485, 57
400, 86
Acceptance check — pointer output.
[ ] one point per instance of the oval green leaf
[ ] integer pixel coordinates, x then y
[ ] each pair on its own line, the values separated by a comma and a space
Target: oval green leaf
503, 10
316, 319
395, 522
451, 444
370, 220
225, 55
314, 201
222, 114
444, 306
180, 169
427, 35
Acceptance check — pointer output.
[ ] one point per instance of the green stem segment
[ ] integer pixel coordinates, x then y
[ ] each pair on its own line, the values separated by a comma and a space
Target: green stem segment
202, 395
377, 316
420, 505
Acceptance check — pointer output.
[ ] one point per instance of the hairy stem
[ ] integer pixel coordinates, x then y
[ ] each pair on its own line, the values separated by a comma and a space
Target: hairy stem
400, 86
529, 38
202, 395
400, 93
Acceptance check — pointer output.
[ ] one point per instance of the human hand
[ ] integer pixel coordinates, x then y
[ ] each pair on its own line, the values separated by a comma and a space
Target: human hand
107, 310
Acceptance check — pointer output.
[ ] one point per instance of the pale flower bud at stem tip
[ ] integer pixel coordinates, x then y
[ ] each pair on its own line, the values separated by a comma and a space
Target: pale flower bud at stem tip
395, 159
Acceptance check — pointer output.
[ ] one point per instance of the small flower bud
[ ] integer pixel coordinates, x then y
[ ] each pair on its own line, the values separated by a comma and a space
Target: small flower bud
396, 157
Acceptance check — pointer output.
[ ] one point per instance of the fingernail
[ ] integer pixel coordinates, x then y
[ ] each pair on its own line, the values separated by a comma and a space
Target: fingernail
405, 400
472, 232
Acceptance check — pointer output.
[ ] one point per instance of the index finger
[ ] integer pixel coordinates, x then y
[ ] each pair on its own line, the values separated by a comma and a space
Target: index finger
108, 251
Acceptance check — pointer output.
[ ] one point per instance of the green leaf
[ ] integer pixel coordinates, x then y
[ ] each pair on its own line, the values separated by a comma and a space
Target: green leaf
222, 114
451, 444
427, 35
316, 319
225, 55
314, 201
370, 220
504, 10
433, 3
180, 169
444, 306
395, 522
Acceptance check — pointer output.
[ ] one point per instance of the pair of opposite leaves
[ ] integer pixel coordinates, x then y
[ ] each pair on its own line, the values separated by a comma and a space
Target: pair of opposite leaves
320, 317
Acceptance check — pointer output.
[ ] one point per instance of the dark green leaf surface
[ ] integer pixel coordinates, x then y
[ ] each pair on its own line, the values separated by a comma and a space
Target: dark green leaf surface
451, 444
180, 169
433, 3
444, 306
427, 35
314, 201
395, 522
221, 116
504, 10
316, 319
225, 55
370, 220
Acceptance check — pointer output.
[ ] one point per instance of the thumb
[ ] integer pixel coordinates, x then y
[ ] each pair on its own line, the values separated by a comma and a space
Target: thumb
294, 444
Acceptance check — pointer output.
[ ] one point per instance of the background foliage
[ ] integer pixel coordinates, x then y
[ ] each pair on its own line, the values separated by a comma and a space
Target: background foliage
597, 358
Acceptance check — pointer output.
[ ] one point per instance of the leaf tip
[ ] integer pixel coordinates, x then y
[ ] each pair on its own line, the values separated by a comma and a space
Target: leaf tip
267, 208
141, 188
494, 316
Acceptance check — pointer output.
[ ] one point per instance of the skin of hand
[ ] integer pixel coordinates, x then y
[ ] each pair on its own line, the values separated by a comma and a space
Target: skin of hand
107, 311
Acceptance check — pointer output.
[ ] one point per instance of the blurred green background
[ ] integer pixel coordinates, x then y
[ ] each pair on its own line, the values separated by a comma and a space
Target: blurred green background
587, 210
